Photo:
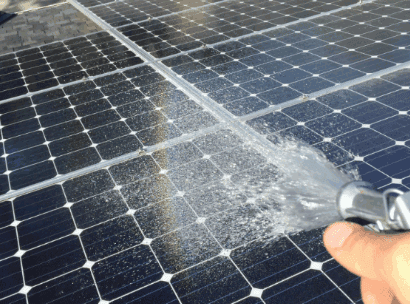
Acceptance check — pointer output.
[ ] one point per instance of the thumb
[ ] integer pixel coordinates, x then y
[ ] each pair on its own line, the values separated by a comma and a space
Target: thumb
371, 255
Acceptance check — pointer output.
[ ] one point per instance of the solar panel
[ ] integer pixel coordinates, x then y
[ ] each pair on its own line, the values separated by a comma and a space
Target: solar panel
137, 185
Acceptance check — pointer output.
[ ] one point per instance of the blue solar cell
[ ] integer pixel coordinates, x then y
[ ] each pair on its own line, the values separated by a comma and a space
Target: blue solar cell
311, 243
401, 77
395, 127
374, 88
213, 85
394, 161
291, 75
332, 125
269, 263
256, 59
245, 106
341, 75
273, 67
309, 44
341, 99
363, 141
399, 100
229, 68
302, 288
243, 76
300, 59
199, 76
397, 56
268, 45
399, 41
372, 65
348, 57
369, 112
307, 110
271, 123
283, 52
312, 84
279, 95
320, 66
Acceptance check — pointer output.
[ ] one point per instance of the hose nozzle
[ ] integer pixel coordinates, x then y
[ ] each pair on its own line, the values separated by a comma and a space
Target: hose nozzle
381, 210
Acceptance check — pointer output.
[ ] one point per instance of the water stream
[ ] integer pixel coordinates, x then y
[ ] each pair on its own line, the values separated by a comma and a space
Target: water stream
297, 190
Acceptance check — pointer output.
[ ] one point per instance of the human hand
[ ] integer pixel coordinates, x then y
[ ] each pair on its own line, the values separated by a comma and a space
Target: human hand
382, 261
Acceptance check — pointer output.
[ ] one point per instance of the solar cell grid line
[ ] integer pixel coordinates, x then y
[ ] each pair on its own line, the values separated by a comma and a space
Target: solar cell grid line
71, 204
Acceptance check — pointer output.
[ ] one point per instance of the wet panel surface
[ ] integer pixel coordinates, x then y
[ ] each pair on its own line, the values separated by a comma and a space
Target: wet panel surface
63, 130
172, 222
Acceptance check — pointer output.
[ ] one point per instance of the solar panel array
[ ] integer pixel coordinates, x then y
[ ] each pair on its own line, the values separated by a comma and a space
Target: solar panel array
136, 164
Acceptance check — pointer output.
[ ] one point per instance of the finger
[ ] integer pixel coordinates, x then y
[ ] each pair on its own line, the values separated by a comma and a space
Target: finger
376, 292
359, 251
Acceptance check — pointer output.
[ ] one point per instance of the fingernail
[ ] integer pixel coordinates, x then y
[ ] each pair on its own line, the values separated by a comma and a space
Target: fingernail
338, 234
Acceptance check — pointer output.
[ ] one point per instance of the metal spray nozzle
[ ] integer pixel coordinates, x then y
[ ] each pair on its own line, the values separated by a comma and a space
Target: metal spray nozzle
382, 211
